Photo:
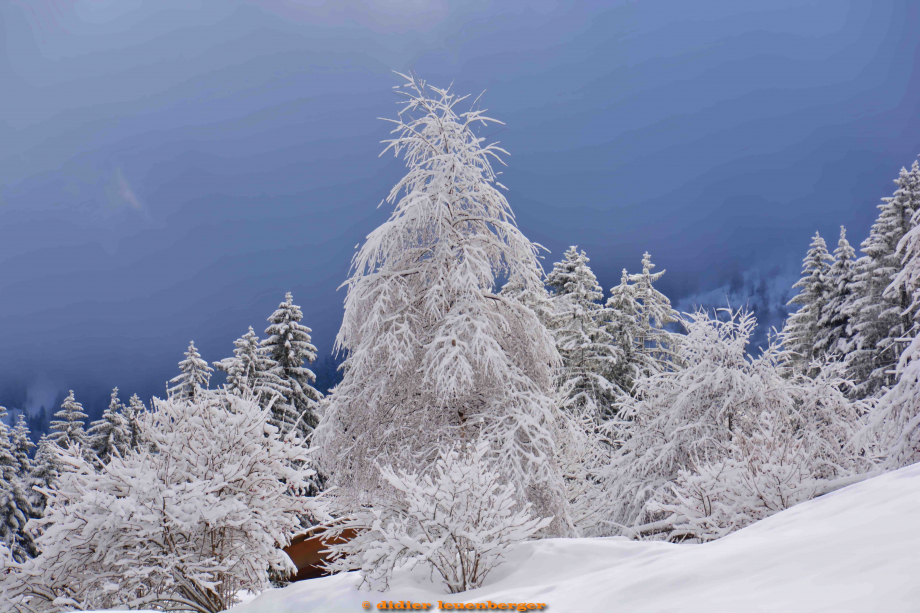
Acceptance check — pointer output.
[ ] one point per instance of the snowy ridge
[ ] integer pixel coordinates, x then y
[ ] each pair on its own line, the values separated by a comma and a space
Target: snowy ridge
851, 550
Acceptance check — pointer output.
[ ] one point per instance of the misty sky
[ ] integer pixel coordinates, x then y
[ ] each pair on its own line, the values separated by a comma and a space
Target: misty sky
169, 169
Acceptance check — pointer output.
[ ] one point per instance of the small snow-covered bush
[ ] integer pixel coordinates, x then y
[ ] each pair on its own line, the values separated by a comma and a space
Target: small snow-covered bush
460, 521
185, 528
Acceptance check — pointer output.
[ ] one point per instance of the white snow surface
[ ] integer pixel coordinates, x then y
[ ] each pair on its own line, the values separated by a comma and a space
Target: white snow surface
856, 549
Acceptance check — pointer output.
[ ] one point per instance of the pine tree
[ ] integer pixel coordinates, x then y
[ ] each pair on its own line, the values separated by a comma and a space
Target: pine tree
194, 378
878, 321
45, 472
133, 412
589, 354
905, 286
434, 355
288, 346
657, 345
15, 507
832, 336
67, 430
802, 328
109, 435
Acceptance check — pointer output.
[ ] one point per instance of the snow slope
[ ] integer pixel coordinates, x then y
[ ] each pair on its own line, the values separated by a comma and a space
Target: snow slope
857, 549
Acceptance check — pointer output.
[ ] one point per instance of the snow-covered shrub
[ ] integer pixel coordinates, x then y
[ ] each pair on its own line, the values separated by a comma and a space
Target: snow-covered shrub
766, 472
731, 438
460, 521
184, 528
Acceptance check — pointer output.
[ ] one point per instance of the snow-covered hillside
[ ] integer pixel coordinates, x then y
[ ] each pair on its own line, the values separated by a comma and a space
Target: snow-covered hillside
856, 549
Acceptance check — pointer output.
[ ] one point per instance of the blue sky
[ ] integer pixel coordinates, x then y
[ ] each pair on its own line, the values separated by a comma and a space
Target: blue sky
169, 169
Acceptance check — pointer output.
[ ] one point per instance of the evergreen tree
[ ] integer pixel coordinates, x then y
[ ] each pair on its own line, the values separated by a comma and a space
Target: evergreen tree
878, 320
38, 423
905, 286
832, 336
251, 369
109, 435
194, 378
15, 508
133, 437
45, 472
288, 346
656, 344
589, 354
21, 444
801, 331
67, 430
623, 324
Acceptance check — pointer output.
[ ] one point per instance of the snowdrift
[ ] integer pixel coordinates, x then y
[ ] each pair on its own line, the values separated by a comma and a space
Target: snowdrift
857, 549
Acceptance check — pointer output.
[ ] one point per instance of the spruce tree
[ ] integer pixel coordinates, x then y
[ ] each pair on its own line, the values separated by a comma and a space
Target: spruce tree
832, 336
67, 430
288, 346
802, 328
45, 471
22, 444
623, 325
656, 344
589, 355
251, 369
878, 318
133, 412
109, 434
15, 507
194, 378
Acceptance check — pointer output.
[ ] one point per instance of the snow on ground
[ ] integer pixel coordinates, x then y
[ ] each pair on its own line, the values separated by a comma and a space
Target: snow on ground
857, 549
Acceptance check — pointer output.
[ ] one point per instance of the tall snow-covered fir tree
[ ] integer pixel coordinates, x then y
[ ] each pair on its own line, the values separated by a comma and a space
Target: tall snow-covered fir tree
832, 335
133, 414
435, 356
251, 369
589, 353
905, 284
877, 320
802, 328
288, 345
15, 506
67, 429
46, 468
22, 444
108, 435
194, 378
656, 344
623, 325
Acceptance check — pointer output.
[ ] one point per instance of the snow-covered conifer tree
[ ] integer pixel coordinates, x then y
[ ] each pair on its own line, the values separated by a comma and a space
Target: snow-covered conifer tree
109, 435
657, 344
288, 345
802, 328
435, 356
46, 468
21, 445
186, 528
894, 424
133, 416
67, 430
623, 325
589, 353
194, 378
15, 507
877, 320
252, 369
832, 335
905, 285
